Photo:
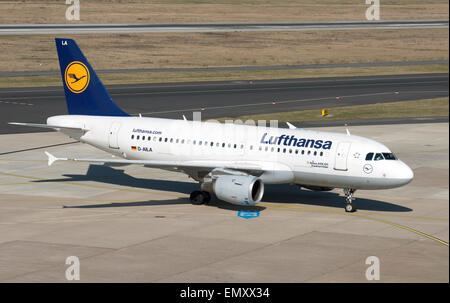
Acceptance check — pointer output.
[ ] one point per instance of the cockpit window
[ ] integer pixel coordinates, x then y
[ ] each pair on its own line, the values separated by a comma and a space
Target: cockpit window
389, 156
378, 156
369, 156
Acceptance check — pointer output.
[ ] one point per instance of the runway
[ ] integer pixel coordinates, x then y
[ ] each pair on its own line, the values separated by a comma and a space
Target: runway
54, 29
226, 99
135, 224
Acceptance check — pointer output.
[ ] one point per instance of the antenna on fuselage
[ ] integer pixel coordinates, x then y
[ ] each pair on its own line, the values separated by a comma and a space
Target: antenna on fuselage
346, 129
291, 126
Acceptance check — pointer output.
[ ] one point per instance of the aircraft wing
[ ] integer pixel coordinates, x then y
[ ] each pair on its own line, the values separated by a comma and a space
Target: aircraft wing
172, 165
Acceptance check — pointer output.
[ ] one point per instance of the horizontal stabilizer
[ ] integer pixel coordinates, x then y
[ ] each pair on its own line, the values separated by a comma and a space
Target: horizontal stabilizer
56, 127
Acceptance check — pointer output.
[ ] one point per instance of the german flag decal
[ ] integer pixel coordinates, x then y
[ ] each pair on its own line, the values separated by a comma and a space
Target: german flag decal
133, 148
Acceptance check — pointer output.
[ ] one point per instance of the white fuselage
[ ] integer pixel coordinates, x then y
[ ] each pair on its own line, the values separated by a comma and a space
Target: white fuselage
305, 157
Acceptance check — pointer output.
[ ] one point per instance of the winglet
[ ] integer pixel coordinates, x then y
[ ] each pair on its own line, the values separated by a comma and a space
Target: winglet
290, 125
51, 158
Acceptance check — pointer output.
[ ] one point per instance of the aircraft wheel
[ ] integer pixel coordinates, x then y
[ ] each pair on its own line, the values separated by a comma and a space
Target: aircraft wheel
197, 197
206, 196
350, 207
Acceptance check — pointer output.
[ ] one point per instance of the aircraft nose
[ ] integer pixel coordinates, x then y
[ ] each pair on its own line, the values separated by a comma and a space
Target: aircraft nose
405, 174
409, 173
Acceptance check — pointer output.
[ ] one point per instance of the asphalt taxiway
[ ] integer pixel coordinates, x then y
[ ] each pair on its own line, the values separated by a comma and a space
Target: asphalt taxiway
135, 224
226, 99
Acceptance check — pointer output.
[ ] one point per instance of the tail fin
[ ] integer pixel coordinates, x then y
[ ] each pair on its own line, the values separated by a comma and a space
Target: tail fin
85, 93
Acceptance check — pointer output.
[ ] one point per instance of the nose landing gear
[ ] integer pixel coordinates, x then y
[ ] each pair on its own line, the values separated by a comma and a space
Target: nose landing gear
350, 207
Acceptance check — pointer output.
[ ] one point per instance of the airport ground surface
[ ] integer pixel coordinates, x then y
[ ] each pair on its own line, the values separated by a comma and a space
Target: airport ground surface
134, 224
227, 99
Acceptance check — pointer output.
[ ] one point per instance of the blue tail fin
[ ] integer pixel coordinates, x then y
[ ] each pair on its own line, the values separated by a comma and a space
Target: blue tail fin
85, 93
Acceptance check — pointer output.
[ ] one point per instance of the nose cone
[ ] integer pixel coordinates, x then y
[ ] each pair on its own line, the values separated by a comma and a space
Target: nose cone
404, 174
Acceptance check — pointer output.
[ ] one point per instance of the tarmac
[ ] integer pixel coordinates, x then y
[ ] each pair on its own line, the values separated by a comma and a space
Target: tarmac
135, 224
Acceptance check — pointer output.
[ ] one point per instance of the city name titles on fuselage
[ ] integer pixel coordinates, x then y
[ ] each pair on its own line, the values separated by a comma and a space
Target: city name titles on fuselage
288, 140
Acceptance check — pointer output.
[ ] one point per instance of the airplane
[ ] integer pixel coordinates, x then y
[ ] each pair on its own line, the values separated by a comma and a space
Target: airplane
232, 161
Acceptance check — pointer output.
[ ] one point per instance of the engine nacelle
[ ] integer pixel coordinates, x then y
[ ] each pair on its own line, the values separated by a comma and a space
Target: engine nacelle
239, 190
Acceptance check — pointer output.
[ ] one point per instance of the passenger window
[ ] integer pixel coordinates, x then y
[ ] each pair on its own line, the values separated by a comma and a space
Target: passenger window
369, 156
296, 151
154, 138
303, 152
321, 154
200, 143
182, 141
171, 140
212, 143
242, 146
284, 150
315, 153
138, 137
143, 137
177, 141
235, 146
132, 136
149, 138
378, 156
223, 144
160, 139
309, 152
272, 149
165, 139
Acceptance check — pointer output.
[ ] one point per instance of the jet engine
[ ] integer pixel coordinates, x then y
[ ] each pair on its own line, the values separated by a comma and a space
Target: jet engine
239, 190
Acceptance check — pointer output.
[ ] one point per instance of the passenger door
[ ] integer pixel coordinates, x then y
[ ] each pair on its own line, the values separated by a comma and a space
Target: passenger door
342, 150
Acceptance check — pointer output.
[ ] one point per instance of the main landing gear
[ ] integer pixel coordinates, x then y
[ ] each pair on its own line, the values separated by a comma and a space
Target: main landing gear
198, 197
350, 207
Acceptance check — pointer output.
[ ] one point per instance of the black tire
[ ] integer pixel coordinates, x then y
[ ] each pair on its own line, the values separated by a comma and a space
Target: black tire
350, 208
206, 196
197, 197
